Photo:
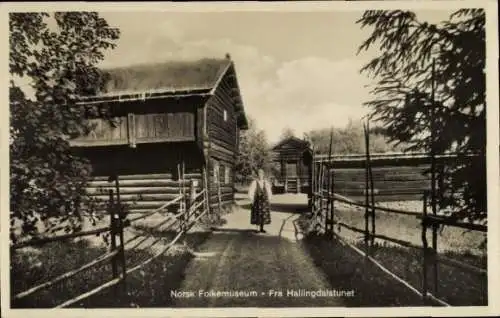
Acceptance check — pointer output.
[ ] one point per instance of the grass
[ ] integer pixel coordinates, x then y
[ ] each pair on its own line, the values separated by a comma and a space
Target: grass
345, 269
35, 266
30, 267
147, 286
450, 240
343, 266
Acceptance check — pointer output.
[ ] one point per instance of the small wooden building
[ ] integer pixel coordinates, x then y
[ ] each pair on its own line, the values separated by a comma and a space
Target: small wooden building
294, 158
171, 123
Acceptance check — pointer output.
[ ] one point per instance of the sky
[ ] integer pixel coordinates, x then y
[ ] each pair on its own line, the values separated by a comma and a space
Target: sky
297, 70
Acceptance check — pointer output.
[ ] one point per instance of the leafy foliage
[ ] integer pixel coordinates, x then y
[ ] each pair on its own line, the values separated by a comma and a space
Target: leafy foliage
56, 56
287, 133
254, 153
349, 140
434, 71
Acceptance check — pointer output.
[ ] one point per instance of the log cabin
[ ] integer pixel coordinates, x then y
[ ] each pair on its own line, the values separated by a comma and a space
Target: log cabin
172, 124
294, 159
396, 176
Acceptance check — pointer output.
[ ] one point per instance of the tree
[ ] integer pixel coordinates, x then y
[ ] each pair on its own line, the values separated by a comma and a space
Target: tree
349, 140
254, 152
57, 56
287, 133
425, 66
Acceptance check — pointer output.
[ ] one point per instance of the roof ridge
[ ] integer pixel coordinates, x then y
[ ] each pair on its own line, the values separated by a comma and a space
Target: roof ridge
173, 61
168, 75
290, 138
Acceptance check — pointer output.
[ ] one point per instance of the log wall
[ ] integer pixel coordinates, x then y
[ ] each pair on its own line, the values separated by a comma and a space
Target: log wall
391, 183
148, 175
140, 193
223, 133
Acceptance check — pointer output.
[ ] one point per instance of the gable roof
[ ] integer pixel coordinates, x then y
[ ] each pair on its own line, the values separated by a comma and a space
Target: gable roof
200, 75
173, 79
292, 142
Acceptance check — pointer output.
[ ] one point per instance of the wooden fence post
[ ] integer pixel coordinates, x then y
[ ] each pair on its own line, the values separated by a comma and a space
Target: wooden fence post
318, 186
367, 203
321, 193
112, 237
314, 186
318, 189
434, 256
433, 171
192, 195
205, 186
425, 252
332, 208
327, 203
182, 202
120, 217
372, 188
313, 182
328, 212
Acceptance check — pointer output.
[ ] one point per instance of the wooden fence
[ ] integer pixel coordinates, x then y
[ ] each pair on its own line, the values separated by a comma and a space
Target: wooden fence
324, 196
192, 207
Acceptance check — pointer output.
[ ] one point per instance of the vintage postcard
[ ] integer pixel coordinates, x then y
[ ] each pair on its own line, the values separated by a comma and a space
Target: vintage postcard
334, 158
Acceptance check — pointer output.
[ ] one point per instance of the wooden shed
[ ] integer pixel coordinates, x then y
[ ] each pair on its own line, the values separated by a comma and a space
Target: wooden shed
294, 158
171, 123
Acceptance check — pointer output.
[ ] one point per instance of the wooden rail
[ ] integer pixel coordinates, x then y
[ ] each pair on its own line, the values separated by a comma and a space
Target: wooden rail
45, 240
118, 222
385, 156
322, 194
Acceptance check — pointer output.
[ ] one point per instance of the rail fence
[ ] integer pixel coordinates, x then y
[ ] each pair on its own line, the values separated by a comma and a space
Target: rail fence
324, 197
192, 207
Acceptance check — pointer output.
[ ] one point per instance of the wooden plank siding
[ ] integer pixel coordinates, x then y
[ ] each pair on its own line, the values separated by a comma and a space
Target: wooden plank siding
389, 181
145, 128
294, 158
177, 126
105, 132
156, 158
222, 132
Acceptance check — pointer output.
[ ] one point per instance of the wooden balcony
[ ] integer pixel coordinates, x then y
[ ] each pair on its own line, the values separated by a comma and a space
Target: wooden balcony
139, 129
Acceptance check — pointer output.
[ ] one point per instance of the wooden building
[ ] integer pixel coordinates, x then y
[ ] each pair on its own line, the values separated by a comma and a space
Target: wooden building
294, 158
171, 122
396, 176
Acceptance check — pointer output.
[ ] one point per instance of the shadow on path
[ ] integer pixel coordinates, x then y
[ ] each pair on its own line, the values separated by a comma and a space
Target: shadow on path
264, 266
347, 270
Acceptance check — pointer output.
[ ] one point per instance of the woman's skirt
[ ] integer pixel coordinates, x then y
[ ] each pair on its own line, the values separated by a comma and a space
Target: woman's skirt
260, 213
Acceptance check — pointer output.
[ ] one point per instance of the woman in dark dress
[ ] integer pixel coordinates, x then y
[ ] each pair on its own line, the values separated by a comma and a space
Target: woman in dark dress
260, 193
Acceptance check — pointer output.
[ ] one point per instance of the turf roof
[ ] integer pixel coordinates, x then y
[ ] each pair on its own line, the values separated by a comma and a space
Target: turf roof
175, 75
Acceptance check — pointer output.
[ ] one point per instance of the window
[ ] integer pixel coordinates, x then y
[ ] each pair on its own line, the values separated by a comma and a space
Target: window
225, 115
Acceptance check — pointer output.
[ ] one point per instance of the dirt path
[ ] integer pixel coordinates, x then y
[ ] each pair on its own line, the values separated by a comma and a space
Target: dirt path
267, 267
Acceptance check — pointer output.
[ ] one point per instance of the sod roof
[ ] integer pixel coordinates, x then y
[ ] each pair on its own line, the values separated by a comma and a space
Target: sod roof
174, 76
